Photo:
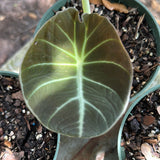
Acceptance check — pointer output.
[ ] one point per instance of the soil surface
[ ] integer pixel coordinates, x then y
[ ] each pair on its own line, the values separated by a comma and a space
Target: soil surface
22, 137
18, 20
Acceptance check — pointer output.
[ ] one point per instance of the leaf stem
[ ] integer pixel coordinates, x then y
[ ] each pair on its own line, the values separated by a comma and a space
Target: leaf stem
86, 6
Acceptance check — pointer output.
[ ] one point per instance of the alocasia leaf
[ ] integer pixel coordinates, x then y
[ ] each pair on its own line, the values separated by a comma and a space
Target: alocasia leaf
76, 76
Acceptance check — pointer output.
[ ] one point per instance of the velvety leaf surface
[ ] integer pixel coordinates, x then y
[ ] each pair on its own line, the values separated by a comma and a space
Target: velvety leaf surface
76, 76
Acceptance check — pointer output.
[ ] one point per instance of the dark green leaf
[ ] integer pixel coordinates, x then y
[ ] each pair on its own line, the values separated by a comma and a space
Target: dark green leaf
76, 76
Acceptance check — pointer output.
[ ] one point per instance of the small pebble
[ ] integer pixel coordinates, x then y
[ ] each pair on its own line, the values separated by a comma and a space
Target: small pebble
9, 88
63, 8
5, 137
11, 133
23, 111
151, 54
143, 83
39, 136
128, 142
75, 4
145, 58
8, 115
96, 9
148, 99
153, 131
28, 112
137, 78
150, 64
137, 36
151, 135
124, 29
101, 12
32, 150
131, 153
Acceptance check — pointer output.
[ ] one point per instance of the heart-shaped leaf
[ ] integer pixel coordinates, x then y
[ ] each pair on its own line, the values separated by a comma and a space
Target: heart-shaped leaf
76, 76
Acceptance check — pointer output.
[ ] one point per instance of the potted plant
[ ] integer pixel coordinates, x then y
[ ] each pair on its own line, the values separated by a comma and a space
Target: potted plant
21, 135
109, 137
67, 70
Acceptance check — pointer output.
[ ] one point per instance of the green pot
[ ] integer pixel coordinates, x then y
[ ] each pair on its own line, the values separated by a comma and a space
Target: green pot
13, 74
7, 73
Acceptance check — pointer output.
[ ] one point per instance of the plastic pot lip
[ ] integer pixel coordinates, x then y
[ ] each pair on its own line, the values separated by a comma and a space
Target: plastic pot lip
8, 73
13, 74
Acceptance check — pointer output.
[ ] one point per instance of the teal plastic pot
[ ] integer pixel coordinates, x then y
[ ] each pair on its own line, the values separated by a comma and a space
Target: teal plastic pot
10, 74
13, 74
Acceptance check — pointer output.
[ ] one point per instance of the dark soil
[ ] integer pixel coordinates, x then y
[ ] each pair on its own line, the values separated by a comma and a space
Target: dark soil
137, 38
141, 133
20, 133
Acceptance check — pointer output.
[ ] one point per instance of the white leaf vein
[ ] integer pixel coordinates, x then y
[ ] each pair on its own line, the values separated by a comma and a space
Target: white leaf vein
106, 62
59, 48
60, 108
65, 34
97, 46
98, 83
49, 64
97, 110
50, 82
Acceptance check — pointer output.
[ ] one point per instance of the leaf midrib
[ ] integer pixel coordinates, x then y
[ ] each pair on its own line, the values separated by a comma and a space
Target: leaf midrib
81, 96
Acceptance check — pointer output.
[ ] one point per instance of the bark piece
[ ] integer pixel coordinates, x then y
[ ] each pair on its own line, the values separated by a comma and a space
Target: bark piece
148, 120
115, 6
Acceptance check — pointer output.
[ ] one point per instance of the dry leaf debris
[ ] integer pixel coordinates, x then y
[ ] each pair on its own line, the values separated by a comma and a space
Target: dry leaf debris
111, 6
148, 152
